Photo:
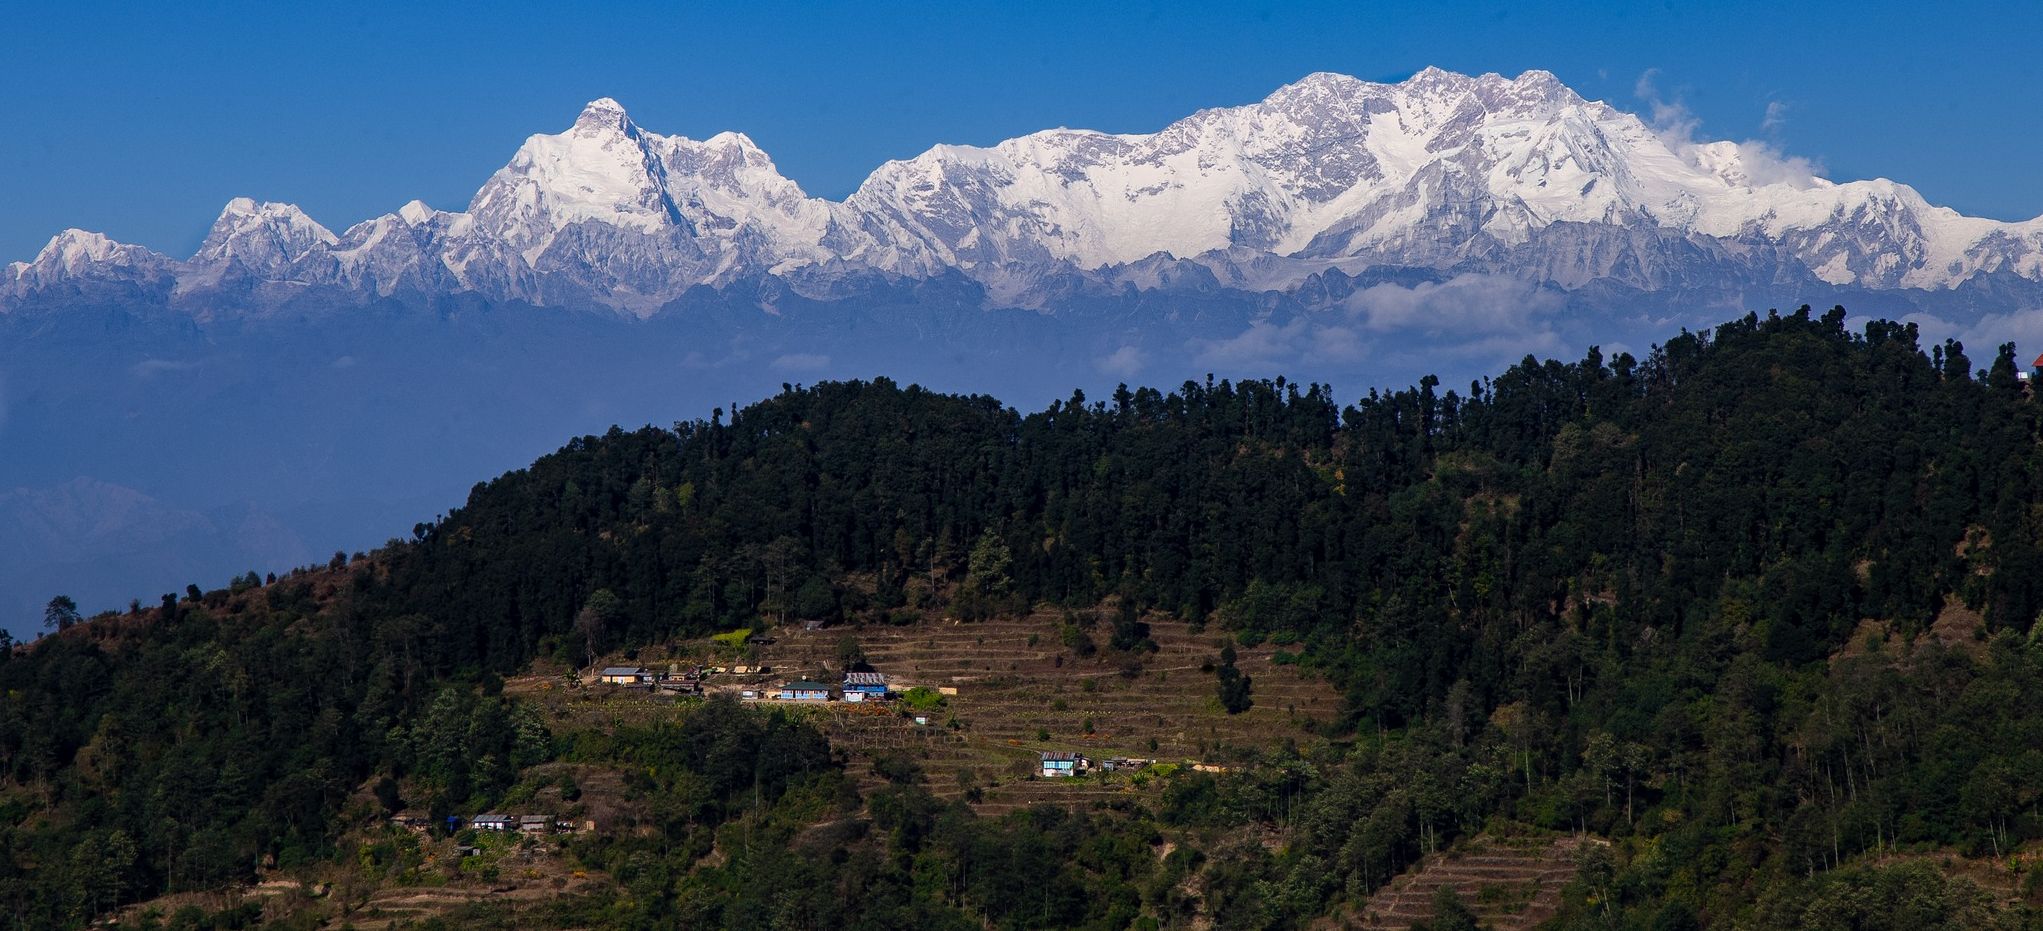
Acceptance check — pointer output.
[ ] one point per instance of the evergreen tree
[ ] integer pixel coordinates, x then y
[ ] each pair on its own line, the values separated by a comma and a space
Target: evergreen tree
1234, 686
60, 613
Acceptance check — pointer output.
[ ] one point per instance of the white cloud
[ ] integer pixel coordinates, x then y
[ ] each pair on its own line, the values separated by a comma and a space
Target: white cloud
1776, 116
1268, 347
1465, 304
1752, 163
801, 362
1263, 345
1125, 362
1469, 316
1764, 163
1982, 337
1670, 118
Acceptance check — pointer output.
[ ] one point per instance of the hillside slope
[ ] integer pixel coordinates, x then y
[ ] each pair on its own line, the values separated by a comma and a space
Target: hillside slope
1621, 597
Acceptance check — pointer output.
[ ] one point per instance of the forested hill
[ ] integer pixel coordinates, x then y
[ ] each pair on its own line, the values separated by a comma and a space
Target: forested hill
1814, 477
1761, 607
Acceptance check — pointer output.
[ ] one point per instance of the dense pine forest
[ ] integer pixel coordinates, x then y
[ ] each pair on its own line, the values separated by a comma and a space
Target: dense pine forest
1760, 608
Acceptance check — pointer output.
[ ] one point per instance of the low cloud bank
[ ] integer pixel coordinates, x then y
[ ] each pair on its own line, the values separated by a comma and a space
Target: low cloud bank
1469, 316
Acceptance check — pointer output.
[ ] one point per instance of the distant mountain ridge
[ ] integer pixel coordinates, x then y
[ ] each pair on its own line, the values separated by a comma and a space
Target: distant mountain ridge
1519, 177
164, 420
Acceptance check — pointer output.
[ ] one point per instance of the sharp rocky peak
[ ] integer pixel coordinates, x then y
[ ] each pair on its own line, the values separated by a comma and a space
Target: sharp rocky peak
246, 212
261, 235
604, 113
416, 213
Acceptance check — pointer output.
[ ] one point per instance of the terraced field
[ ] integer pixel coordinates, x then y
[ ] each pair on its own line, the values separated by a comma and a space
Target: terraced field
525, 876
1511, 883
1017, 682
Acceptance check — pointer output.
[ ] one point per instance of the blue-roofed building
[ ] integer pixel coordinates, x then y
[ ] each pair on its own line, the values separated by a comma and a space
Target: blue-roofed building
864, 686
1057, 763
494, 822
805, 690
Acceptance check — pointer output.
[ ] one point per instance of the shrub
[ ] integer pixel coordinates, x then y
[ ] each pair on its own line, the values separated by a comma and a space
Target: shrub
922, 698
734, 638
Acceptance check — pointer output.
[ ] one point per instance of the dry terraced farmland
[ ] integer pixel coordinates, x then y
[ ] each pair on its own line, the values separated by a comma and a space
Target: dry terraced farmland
1016, 680
1510, 883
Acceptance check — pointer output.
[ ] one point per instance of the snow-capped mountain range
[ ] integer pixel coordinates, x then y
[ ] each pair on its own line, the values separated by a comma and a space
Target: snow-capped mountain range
1514, 176
295, 382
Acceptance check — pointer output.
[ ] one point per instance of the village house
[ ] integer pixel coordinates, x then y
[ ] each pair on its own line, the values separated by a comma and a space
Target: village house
623, 675
864, 686
682, 685
805, 690
676, 681
1058, 763
523, 824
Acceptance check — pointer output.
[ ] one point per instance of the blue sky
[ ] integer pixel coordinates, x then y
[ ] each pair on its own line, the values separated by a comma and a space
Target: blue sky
142, 120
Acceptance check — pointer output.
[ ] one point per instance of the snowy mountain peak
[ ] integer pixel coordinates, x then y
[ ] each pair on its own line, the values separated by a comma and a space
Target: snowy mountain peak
603, 114
729, 139
81, 255
602, 170
261, 236
416, 213
1324, 81
74, 248
1537, 79
1443, 171
76, 252
1440, 169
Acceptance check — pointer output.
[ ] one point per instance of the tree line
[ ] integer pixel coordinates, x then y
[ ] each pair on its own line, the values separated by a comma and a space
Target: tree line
1756, 605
